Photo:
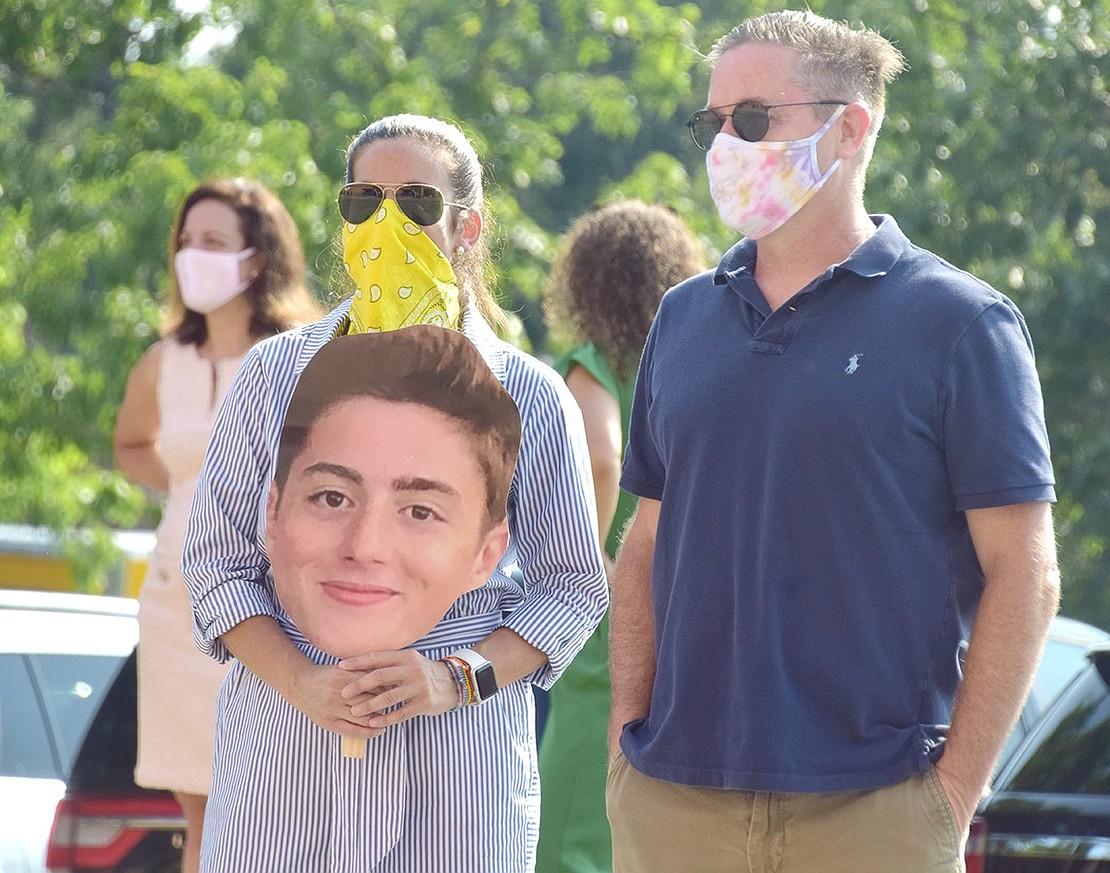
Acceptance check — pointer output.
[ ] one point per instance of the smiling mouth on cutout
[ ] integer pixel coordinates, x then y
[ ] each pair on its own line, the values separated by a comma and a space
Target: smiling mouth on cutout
350, 594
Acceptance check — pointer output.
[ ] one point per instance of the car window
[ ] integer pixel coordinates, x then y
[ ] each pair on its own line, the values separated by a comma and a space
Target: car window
1060, 663
1074, 756
25, 748
72, 687
46, 704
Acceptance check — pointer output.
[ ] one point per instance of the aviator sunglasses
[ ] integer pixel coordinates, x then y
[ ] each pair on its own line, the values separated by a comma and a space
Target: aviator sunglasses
750, 120
422, 203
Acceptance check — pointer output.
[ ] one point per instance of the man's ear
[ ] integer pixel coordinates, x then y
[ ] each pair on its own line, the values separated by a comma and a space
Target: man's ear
493, 547
855, 122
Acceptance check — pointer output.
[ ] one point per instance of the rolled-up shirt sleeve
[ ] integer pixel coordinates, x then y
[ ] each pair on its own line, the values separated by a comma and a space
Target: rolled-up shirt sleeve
224, 562
553, 523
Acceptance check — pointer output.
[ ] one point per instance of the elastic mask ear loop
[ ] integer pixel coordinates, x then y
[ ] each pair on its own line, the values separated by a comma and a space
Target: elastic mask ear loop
815, 139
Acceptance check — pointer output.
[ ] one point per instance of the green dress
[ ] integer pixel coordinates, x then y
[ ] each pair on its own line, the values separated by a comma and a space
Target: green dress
574, 830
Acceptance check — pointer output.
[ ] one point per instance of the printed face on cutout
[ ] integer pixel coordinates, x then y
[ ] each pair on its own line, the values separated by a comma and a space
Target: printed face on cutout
380, 527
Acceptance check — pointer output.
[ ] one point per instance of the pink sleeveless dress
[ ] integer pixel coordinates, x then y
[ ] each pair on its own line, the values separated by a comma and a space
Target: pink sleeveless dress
177, 684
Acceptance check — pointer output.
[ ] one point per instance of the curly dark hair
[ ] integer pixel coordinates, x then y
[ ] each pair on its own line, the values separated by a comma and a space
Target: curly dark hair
610, 273
278, 295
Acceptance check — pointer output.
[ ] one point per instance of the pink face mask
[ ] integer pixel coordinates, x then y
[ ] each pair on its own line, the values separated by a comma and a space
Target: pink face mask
208, 280
758, 186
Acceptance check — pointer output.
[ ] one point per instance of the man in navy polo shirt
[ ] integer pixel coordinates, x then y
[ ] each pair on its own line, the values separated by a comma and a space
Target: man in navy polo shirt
831, 601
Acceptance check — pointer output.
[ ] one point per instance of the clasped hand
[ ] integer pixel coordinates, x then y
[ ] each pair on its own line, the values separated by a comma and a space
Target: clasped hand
363, 695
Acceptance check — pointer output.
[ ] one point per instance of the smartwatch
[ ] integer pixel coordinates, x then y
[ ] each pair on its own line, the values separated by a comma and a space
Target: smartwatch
481, 673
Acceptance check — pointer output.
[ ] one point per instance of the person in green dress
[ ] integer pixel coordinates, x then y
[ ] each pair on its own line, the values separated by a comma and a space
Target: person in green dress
611, 270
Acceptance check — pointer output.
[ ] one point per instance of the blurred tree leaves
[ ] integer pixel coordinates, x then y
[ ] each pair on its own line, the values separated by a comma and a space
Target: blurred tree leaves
994, 155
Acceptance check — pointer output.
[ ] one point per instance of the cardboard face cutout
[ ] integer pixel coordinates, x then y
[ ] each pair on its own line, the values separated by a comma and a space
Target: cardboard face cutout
389, 498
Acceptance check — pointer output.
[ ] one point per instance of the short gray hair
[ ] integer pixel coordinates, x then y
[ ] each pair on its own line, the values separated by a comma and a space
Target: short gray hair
837, 62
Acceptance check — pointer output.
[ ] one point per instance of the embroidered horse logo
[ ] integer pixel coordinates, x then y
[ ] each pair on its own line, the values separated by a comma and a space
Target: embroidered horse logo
853, 364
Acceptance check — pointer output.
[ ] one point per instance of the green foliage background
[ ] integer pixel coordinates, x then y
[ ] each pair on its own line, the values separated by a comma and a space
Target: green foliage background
994, 155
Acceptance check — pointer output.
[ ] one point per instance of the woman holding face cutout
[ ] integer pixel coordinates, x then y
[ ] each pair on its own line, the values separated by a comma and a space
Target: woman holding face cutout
449, 779
236, 276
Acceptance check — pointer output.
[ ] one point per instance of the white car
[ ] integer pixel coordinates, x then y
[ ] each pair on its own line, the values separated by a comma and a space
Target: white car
58, 656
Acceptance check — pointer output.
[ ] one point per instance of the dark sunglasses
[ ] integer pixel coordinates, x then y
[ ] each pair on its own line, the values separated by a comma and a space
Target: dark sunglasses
750, 120
422, 203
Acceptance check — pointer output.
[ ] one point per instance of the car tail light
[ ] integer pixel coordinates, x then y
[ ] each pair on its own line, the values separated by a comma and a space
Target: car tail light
97, 833
975, 854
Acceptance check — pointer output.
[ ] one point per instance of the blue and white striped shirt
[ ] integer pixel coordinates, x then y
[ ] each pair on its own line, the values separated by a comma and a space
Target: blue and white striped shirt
459, 792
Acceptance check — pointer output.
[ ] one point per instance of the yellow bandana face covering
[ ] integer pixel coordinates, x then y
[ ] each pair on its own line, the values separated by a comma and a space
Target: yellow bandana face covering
401, 277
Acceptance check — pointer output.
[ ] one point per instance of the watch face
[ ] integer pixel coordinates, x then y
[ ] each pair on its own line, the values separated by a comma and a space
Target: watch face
486, 681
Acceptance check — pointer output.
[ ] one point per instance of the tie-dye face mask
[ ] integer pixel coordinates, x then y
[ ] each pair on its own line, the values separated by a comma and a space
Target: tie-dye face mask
401, 277
758, 186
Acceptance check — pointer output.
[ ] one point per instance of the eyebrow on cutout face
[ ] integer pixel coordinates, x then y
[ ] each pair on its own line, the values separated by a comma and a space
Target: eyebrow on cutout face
348, 473
419, 483
405, 483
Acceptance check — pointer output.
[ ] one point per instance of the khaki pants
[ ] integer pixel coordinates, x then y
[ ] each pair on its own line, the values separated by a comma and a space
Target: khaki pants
661, 827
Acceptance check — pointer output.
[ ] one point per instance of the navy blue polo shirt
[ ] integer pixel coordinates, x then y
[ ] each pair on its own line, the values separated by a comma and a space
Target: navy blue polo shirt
814, 580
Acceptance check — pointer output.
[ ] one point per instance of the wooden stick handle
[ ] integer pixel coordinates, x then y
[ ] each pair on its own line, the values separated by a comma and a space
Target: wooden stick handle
352, 747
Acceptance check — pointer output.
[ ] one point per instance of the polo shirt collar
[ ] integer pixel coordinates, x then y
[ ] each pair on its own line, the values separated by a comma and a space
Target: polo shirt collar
874, 257
878, 254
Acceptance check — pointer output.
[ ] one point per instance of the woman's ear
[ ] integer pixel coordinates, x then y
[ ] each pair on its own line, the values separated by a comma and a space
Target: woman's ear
254, 266
470, 228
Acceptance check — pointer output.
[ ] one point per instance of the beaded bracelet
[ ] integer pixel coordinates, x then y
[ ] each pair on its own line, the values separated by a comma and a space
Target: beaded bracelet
460, 682
461, 675
469, 694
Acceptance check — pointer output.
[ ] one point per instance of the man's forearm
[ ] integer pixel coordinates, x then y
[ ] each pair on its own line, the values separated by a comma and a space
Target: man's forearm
1007, 639
632, 624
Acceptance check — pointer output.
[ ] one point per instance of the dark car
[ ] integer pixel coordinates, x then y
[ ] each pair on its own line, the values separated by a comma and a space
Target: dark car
1050, 808
105, 821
